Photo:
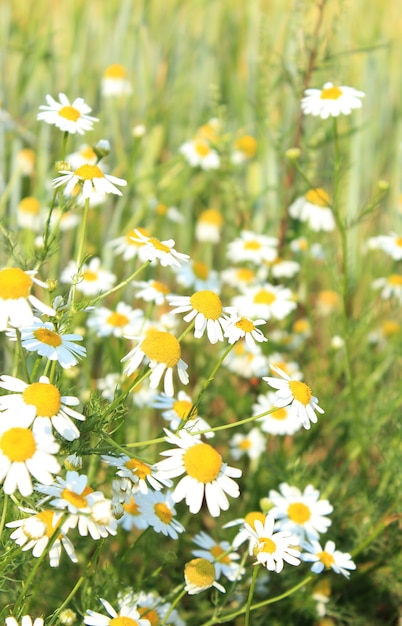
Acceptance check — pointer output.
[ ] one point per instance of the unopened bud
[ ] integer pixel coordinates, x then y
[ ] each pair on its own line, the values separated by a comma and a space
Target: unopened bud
293, 153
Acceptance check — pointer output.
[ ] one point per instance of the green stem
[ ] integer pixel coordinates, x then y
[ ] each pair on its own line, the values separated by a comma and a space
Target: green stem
21, 356
79, 257
250, 596
173, 606
120, 285
3, 514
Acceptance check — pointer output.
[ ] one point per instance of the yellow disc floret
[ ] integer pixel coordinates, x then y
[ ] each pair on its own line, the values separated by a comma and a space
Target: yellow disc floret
123, 620
69, 113
142, 470
117, 319
44, 397
89, 172
49, 337
202, 462
299, 512
14, 284
162, 347
331, 93
18, 444
326, 558
263, 296
318, 197
200, 573
208, 303
163, 512
300, 391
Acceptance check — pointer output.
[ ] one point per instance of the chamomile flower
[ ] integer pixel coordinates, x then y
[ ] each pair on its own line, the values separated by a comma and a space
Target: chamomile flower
280, 422
43, 338
198, 153
209, 226
92, 178
70, 118
252, 247
25, 161
133, 517
252, 444
242, 277
206, 309
177, 412
265, 301
85, 155
296, 394
331, 101
115, 82
93, 279
123, 322
328, 558
158, 509
152, 607
140, 474
34, 532
40, 402
162, 251
391, 244
272, 549
127, 614
245, 362
25, 452
220, 554
197, 274
313, 208
28, 213
26, 620
245, 524
283, 268
206, 475
239, 327
16, 300
200, 575
151, 291
244, 148
129, 246
391, 287
163, 352
302, 514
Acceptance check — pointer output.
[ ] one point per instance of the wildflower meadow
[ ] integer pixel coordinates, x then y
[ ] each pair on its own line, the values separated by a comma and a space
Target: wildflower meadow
200, 313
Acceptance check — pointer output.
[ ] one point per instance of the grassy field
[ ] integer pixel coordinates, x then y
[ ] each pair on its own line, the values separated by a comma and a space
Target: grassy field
217, 70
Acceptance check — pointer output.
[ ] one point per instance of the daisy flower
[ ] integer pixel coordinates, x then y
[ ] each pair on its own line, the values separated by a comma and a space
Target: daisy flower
244, 148
16, 299
162, 251
220, 554
158, 509
151, 607
25, 452
85, 155
328, 558
265, 301
129, 246
28, 213
115, 82
239, 327
252, 444
283, 268
252, 247
34, 532
163, 352
139, 473
196, 274
200, 575
303, 404
209, 226
70, 118
245, 362
151, 291
272, 549
206, 309
25, 161
391, 244
313, 208
245, 524
206, 475
177, 411
45, 340
242, 277
40, 402
127, 614
302, 514
124, 321
280, 422
198, 153
133, 517
26, 620
92, 178
92, 278
331, 101
391, 287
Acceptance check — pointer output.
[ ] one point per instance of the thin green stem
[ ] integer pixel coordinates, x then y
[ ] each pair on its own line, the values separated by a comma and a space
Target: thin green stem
3, 514
79, 256
173, 606
250, 596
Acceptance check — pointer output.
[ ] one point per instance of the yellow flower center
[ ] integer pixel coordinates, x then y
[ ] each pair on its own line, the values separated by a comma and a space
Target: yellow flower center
47, 518
115, 71
78, 500
18, 444
163, 512
208, 303
142, 470
182, 409
301, 326
300, 391
200, 573
149, 614
208, 131
158, 245
161, 209
318, 197
131, 507
201, 147
326, 558
245, 275
395, 280
89, 275
266, 545
131, 234
279, 414
123, 620
245, 444
202, 462
89, 172
117, 319
49, 337
299, 512
331, 93
246, 144
263, 296
254, 516
252, 244
14, 284
29, 205
162, 347
45, 397
245, 324
200, 270
158, 286
88, 153
219, 554
398, 241
69, 113
211, 216
390, 327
